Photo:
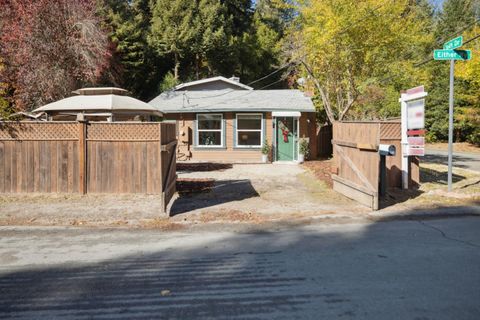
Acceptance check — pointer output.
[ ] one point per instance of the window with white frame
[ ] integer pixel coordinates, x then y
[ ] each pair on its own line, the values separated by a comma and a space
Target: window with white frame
209, 130
249, 130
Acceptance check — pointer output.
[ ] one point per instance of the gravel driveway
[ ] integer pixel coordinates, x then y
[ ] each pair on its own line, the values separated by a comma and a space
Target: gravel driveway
263, 189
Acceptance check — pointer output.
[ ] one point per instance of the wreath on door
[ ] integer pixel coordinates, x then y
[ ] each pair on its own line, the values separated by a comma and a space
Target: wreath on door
285, 131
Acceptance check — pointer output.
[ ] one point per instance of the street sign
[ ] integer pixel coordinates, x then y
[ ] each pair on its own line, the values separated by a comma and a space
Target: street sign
415, 132
415, 90
413, 151
454, 43
452, 54
416, 114
416, 141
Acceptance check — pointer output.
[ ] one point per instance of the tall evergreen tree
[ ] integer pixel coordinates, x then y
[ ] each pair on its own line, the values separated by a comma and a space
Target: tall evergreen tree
172, 31
129, 24
209, 36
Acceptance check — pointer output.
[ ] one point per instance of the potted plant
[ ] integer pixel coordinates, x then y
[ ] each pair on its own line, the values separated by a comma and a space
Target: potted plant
303, 150
265, 151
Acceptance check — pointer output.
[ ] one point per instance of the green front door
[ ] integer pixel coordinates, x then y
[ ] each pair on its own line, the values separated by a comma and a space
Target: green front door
286, 136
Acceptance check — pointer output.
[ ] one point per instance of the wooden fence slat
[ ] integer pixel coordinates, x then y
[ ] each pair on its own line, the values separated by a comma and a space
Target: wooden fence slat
30, 166
36, 166
2, 167
70, 166
144, 165
8, 166
20, 158
52, 158
42, 167
82, 154
13, 167
63, 187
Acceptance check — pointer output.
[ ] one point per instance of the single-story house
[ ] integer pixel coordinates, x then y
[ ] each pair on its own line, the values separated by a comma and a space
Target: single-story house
220, 119
99, 104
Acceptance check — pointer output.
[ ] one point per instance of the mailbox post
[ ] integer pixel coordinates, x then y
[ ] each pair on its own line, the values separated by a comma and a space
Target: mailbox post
385, 150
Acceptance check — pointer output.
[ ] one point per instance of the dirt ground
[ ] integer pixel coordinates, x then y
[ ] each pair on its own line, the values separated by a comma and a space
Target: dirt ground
272, 190
78, 210
238, 193
211, 194
433, 191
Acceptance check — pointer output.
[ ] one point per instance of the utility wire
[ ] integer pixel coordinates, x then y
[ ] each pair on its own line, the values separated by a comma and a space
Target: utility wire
268, 75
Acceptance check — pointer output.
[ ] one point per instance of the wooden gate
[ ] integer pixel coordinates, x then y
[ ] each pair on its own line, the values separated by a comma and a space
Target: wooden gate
357, 161
80, 157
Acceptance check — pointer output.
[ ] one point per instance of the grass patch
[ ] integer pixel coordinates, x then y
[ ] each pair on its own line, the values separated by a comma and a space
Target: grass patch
312, 183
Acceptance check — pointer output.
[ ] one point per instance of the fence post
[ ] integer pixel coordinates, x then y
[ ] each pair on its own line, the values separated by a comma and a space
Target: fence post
82, 156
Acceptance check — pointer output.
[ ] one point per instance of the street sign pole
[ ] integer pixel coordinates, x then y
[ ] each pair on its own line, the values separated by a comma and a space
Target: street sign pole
404, 142
450, 126
450, 52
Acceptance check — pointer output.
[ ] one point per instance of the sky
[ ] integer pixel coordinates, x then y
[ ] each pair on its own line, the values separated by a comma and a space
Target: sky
437, 3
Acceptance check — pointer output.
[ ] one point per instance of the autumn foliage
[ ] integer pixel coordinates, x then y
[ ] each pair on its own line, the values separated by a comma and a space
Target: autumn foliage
50, 48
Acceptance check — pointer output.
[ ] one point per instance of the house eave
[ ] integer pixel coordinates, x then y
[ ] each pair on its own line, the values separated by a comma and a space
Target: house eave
236, 110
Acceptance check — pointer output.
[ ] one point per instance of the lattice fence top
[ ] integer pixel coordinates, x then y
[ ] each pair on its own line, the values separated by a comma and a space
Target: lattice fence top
390, 130
38, 131
123, 131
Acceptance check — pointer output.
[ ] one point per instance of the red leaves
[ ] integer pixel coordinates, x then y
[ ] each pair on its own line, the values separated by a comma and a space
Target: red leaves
50, 48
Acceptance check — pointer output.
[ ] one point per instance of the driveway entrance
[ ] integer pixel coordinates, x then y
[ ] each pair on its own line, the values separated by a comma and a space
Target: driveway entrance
265, 189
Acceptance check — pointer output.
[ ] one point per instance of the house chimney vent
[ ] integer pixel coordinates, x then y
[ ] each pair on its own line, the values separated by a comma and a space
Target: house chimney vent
236, 79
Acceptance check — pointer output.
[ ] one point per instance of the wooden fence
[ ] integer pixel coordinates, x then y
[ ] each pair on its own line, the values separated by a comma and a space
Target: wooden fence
357, 161
80, 157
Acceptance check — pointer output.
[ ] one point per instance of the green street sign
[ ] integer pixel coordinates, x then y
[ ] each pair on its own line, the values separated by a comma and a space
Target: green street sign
454, 43
452, 54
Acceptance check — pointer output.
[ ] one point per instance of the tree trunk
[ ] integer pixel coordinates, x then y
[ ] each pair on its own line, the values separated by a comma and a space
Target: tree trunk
325, 101
177, 66
197, 67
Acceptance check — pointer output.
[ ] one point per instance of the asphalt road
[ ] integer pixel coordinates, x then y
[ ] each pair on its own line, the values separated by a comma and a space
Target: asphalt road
463, 160
386, 270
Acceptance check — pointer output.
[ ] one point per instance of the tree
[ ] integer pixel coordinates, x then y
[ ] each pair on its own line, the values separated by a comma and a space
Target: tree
348, 49
51, 48
458, 17
209, 34
128, 24
171, 29
255, 34
5, 105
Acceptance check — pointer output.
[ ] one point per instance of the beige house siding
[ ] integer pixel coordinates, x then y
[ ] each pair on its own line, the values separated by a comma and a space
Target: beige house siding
186, 136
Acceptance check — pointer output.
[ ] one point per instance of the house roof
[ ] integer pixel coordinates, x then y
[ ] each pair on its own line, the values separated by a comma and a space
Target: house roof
99, 102
233, 81
232, 100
